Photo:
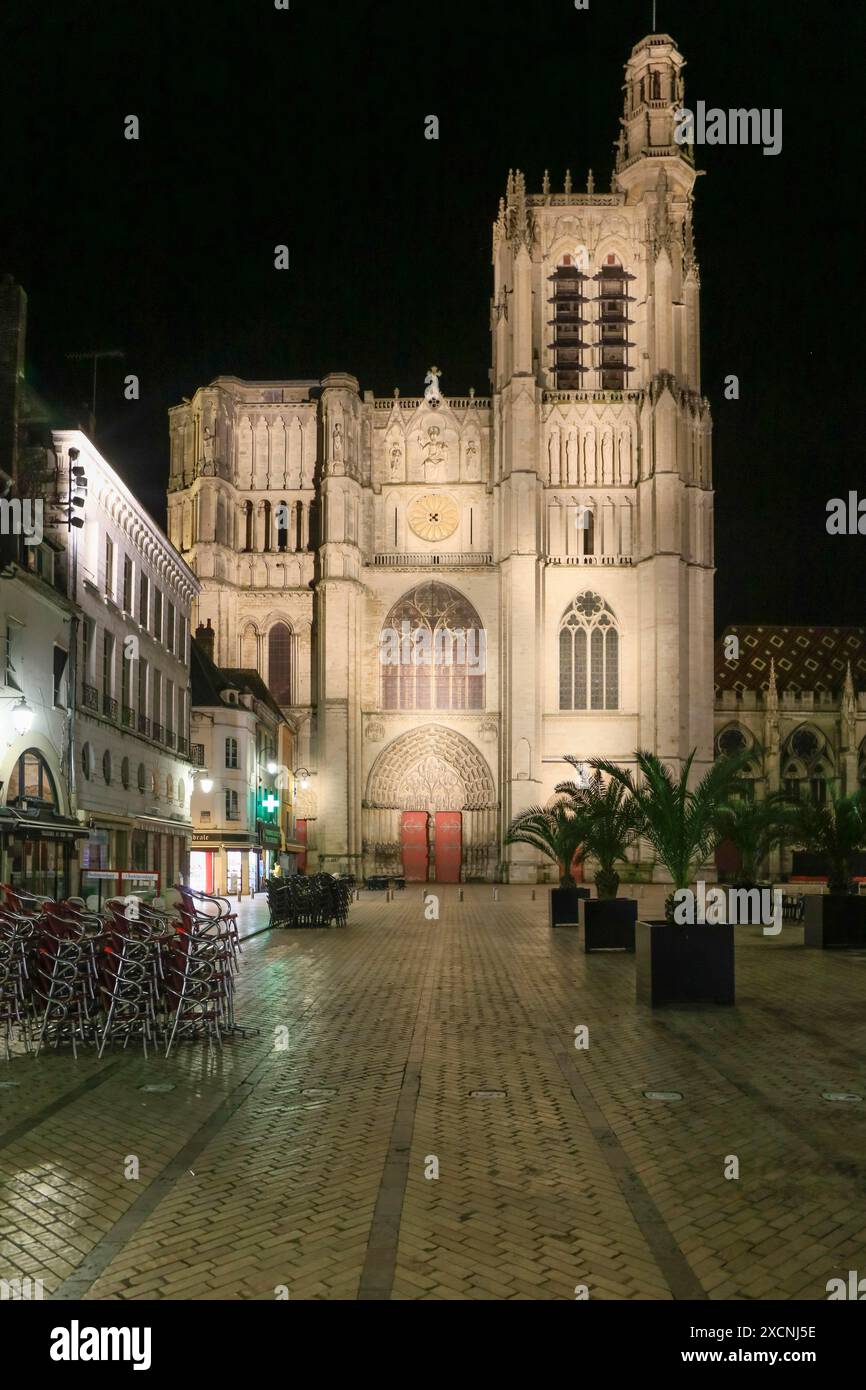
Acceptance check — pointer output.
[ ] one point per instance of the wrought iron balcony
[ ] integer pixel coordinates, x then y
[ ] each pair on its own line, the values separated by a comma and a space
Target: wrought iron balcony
144, 725
90, 697
128, 717
183, 745
109, 706
158, 733
169, 738
197, 754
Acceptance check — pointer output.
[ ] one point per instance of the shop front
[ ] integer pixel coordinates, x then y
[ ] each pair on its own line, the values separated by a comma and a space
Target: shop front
269, 836
159, 846
38, 845
38, 853
227, 865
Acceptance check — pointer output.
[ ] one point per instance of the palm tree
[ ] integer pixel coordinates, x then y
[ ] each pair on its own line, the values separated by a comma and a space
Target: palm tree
755, 828
679, 821
610, 824
557, 831
835, 831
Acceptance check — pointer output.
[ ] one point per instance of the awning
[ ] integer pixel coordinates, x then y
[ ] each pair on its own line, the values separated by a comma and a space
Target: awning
45, 823
161, 823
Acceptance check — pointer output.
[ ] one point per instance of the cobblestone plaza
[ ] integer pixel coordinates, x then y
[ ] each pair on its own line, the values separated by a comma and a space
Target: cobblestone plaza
423, 1116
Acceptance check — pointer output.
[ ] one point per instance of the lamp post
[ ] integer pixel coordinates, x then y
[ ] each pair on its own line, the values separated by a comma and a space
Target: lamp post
22, 714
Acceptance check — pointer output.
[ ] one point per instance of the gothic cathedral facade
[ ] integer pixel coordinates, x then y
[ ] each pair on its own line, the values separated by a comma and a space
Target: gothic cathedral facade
447, 595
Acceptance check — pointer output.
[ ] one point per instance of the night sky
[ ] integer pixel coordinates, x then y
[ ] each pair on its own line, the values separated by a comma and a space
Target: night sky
306, 127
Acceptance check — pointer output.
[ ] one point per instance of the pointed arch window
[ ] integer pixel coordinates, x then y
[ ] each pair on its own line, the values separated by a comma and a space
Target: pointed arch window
432, 652
280, 663
589, 655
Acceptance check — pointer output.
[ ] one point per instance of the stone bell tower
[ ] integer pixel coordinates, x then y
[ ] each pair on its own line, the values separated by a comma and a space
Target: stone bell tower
602, 467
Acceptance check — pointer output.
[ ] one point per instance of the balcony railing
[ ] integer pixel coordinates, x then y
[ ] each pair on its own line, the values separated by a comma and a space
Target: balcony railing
197, 754
169, 738
109, 707
144, 725
182, 745
90, 697
128, 717
442, 558
158, 733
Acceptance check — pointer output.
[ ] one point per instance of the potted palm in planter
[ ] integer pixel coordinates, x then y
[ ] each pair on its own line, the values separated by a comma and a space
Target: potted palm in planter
754, 828
557, 832
680, 963
610, 821
835, 831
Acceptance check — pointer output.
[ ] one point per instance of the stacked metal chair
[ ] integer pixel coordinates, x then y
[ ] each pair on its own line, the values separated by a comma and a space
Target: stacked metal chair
69, 976
316, 901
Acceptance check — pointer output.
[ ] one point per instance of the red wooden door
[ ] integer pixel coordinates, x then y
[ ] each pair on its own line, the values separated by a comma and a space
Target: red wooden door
415, 846
449, 846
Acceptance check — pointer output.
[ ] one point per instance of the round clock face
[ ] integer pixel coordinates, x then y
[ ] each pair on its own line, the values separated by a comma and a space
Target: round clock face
434, 516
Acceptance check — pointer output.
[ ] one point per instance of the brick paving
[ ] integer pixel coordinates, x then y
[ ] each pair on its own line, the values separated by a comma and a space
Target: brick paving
250, 1189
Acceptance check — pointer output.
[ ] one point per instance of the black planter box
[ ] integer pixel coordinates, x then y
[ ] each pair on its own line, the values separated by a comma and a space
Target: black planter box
563, 906
684, 965
834, 922
608, 923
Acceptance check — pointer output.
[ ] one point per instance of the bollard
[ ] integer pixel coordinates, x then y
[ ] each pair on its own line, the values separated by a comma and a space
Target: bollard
389, 895
460, 896
533, 895
496, 895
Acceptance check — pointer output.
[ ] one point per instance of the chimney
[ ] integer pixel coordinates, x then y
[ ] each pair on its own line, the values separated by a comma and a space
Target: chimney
13, 330
205, 638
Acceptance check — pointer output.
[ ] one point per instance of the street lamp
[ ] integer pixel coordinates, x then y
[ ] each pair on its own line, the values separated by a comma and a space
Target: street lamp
206, 784
22, 717
271, 768
302, 776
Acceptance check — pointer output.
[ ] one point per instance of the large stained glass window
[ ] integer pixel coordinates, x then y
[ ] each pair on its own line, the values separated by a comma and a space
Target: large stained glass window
433, 651
588, 655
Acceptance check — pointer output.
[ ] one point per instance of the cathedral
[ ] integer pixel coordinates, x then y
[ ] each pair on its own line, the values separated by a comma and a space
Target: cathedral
445, 594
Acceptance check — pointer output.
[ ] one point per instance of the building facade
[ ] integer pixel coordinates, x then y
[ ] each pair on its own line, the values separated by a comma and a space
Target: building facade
789, 697
236, 803
130, 767
448, 594
39, 835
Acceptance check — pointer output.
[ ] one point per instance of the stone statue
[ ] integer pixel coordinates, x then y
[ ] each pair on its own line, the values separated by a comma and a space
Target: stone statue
435, 452
432, 394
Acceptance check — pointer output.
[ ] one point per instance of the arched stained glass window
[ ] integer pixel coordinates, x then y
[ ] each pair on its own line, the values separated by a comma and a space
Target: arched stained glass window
433, 651
589, 655
280, 663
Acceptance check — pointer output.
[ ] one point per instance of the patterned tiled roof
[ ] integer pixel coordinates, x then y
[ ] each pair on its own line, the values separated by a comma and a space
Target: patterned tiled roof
807, 658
